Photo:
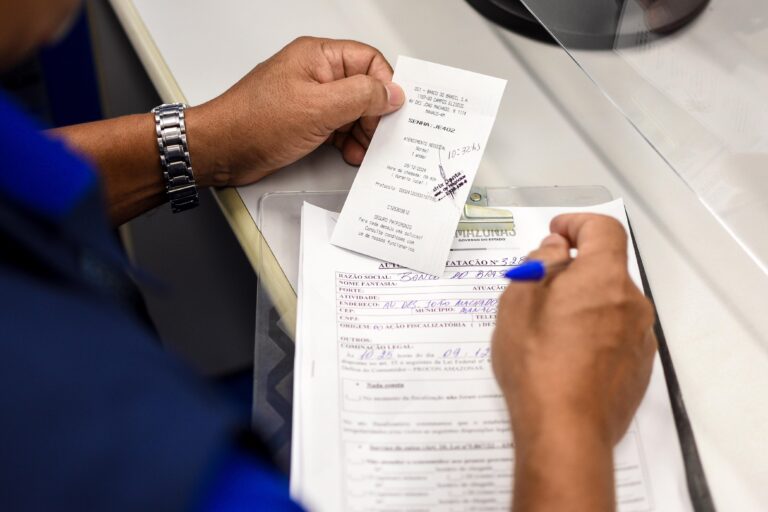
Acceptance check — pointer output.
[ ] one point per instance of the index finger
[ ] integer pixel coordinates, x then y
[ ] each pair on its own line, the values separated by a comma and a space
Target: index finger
592, 233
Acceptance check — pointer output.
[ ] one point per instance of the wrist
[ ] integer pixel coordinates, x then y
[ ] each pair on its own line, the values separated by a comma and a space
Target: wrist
207, 150
561, 430
564, 464
543, 418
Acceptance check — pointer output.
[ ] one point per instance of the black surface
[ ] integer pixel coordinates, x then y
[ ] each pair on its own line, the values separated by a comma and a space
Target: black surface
592, 24
514, 16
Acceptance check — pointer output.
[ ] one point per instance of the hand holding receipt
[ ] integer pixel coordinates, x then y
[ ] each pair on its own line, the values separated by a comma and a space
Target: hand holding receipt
408, 195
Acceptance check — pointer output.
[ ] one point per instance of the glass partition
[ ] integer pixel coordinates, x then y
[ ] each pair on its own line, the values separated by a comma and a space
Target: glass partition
698, 94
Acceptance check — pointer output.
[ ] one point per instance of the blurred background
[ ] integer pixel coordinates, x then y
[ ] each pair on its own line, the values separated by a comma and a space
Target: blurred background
94, 73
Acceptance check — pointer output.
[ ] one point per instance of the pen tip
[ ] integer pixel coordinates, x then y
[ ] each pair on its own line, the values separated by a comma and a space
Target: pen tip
531, 270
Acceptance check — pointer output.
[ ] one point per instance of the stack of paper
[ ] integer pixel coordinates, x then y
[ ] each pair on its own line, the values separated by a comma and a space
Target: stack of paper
395, 405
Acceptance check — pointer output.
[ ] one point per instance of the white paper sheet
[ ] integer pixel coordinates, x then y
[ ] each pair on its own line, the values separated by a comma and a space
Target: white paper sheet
408, 195
398, 408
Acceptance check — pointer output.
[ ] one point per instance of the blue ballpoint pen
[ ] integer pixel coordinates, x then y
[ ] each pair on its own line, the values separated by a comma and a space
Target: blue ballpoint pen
534, 270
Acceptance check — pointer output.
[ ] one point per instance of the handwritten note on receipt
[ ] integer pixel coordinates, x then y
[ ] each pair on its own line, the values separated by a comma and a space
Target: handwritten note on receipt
395, 404
408, 195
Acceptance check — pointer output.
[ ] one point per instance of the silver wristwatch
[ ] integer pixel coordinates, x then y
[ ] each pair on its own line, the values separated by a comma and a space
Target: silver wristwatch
171, 134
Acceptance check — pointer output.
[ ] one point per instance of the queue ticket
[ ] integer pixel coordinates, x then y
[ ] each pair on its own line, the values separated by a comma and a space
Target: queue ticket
409, 193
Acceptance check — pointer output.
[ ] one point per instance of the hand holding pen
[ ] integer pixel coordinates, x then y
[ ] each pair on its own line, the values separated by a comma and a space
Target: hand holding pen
572, 352
579, 321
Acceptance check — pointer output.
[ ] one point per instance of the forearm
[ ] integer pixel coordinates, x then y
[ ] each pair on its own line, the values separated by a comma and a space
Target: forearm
565, 466
125, 152
313, 92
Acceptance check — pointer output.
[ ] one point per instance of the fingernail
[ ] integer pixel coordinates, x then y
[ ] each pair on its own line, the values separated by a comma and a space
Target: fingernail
395, 94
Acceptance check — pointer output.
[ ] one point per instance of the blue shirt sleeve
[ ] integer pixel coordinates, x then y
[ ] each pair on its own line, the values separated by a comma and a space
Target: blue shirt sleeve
38, 172
96, 414
244, 483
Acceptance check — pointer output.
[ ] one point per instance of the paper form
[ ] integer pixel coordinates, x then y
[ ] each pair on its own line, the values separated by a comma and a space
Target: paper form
408, 195
398, 407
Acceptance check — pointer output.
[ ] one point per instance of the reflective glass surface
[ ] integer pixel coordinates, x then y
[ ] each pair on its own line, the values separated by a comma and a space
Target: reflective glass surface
697, 91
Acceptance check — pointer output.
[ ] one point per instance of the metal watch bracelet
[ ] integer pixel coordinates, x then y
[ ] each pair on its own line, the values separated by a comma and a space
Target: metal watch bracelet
171, 132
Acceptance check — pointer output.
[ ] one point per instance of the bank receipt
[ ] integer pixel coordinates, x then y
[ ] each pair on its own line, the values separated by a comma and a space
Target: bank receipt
408, 195
395, 404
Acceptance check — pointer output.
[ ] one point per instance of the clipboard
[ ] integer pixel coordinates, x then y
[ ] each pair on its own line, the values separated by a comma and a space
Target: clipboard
279, 220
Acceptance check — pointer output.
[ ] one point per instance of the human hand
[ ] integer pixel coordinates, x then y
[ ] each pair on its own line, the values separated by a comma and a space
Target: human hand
313, 91
575, 350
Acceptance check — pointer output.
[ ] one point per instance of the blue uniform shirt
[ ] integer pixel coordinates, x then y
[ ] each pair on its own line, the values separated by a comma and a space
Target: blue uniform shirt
95, 414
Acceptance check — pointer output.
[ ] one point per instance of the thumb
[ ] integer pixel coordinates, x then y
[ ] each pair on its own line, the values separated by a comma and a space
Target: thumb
349, 99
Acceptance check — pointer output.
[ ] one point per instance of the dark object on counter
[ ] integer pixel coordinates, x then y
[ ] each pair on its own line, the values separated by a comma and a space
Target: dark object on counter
592, 24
